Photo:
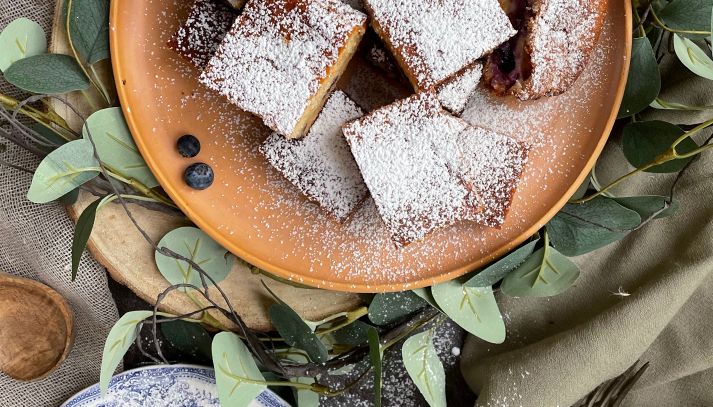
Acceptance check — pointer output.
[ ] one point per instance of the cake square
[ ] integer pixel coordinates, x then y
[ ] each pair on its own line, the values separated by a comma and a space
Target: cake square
491, 166
320, 164
199, 37
554, 44
281, 58
433, 40
455, 92
414, 190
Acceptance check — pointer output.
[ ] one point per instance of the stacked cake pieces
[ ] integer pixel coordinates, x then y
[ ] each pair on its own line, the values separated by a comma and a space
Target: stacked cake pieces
424, 167
320, 164
281, 58
427, 169
199, 37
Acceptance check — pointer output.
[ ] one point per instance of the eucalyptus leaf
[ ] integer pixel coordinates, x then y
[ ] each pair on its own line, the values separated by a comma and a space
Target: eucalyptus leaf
645, 141
70, 198
644, 82
82, 231
376, 356
89, 28
21, 38
496, 272
425, 294
425, 368
63, 170
545, 274
237, 377
649, 205
304, 398
120, 339
472, 308
693, 57
388, 308
296, 332
189, 338
581, 228
688, 15
48, 136
116, 147
197, 246
354, 334
51, 74
665, 105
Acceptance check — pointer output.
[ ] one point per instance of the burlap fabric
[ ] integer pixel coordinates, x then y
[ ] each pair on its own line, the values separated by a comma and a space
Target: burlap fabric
35, 242
559, 349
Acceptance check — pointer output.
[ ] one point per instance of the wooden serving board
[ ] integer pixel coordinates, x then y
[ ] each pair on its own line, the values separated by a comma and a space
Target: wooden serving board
129, 259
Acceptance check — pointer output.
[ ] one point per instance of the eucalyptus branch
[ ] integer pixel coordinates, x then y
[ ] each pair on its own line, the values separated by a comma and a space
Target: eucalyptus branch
662, 25
669, 155
17, 167
76, 54
47, 120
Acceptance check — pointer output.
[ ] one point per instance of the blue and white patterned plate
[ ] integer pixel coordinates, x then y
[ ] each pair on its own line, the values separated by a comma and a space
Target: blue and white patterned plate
163, 386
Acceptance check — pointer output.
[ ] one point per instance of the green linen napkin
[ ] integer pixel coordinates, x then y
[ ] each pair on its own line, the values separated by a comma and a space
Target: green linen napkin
559, 349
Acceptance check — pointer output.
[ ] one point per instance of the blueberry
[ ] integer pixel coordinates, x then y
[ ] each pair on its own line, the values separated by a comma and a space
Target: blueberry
199, 176
189, 146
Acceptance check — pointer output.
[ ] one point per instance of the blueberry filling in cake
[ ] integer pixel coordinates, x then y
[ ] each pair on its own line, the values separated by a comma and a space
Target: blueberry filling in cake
510, 62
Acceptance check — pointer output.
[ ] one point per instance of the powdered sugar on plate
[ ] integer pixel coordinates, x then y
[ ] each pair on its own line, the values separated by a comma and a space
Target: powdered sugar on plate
321, 164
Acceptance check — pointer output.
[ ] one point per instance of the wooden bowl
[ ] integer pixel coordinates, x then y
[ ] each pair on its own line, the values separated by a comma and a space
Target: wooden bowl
37, 328
260, 217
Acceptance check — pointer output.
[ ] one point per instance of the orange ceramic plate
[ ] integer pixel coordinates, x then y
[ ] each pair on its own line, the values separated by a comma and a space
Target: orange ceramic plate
260, 217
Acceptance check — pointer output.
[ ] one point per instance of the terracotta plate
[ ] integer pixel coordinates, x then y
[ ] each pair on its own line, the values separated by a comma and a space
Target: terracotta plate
260, 217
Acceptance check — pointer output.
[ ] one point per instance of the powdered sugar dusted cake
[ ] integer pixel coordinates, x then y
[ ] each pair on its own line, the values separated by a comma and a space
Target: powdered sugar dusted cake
554, 42
432, 40
455, 92
414, 190
281, 58
321, 164
489, 163
199, 37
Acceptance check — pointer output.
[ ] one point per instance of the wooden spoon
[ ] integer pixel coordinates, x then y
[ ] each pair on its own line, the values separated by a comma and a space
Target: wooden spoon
36, 328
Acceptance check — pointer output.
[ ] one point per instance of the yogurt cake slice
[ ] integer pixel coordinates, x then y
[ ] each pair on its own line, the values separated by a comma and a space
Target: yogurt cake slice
427, 169
320, 164
433, 40
552, 48
281, 58
199, 37
414, 190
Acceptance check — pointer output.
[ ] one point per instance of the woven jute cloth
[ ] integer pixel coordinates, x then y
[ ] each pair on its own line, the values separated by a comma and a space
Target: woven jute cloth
648, 297
35, 242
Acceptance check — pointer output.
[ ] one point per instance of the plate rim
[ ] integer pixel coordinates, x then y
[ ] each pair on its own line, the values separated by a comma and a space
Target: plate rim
244, 253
